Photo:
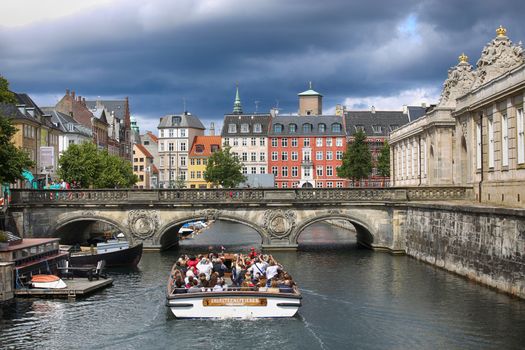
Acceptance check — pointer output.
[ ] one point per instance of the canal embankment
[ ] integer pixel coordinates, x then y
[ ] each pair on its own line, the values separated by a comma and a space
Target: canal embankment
484, 244
6, 281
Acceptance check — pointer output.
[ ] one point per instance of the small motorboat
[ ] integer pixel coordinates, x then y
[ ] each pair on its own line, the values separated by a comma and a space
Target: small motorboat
47, 282
115, 252
186, 230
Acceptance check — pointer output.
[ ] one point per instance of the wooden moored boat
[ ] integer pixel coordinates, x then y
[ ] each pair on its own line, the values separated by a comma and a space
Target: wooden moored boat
233, 302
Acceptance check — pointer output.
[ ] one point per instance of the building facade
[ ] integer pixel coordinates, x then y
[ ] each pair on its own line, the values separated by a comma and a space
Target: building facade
202, 148
176, 134
143, 167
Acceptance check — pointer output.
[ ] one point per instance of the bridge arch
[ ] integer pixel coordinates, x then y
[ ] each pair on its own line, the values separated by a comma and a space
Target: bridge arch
365, 235
61, 224
170, 226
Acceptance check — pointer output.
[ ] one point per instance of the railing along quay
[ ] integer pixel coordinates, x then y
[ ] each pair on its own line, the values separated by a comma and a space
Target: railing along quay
21, 197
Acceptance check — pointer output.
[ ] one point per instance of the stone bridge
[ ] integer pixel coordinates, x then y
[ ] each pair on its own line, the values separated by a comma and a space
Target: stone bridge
278, 215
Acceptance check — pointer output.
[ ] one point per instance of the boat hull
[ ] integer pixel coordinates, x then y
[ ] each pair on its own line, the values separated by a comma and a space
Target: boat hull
125, 257
234, 305
47, 282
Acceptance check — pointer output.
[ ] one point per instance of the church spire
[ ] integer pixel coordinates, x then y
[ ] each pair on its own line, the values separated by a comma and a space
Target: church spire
237, 106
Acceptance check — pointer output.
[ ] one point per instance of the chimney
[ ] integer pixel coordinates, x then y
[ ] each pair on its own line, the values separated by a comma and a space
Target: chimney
212, 129
405, 109
373, 109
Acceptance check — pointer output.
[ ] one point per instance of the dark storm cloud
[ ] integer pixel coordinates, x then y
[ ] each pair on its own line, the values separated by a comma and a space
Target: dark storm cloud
158, 55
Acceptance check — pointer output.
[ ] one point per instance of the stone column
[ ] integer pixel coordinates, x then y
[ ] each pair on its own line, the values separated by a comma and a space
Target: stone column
6, 281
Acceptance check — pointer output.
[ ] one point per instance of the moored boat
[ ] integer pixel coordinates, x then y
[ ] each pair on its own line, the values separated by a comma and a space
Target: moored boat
47, 282
232, 302
114, 252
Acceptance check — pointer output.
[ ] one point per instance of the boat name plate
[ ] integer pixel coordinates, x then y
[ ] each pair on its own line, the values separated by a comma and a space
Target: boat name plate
234, 302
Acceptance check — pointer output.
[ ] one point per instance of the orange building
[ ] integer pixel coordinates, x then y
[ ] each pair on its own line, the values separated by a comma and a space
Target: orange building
201, 150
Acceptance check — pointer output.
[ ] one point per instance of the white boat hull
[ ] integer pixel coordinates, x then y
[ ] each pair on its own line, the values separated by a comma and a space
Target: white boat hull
59, 284
233, 305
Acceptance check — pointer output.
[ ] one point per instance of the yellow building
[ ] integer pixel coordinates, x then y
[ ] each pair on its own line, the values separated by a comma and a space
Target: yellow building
201, 150
143, 166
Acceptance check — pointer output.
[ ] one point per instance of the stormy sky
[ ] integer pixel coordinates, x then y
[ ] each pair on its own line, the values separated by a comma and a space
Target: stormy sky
160, 53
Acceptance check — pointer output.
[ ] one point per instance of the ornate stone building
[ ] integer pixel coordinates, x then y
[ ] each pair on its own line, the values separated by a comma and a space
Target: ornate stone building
475, 135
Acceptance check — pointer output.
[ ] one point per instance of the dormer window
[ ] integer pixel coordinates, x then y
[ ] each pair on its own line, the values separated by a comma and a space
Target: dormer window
277, 128
245, 128
393, 127
359, 128
199, 148
336, 127
214, 148
175, 120
293, 128
232, 128
377, 129
307, 128
257, 128
322, 128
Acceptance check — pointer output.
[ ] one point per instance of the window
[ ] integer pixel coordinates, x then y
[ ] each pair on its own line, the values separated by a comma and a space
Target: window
226, 141
490, 130
146, 143
336, 127
274, 142
244, 170
171, 132
253, 156
292, 128
321, 127
284, 185
235, 141
504, 140
71, 142
274, 170
339, 155
175, 120
199, 148
183, 146
275, 156
257, 128
319, 184
170, 147
295, 171
295, 156
244, 156
254, 170
232, 128
284, 171
328, 142
161, 146
135, 168
141, 159
319, 170
192, 174
478, 144
339, 142
284, 156
244, 141
393, 127
204, 162
359, 127
307, 156
161, 164
198, 161
182, 132
277, 128
329, 155
199, 174
294, 142
262, 170
319, 142
262, 141
161, 134
521, 137
262, 157
192, 161
338, 184
214, 148
307, 128
307, 172
319, 155
377, 129
329, 184
306, 142
245, 128
182, 161
295, 184
253, 141
329, 170
284, 142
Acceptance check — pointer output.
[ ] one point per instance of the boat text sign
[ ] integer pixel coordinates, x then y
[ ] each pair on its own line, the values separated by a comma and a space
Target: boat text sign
234, 302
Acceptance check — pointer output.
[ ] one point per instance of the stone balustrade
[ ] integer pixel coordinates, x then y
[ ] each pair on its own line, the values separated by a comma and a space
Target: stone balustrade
207, 196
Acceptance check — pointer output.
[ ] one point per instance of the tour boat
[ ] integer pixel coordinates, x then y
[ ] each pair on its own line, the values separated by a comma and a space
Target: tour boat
114, 252
234, 302
47, 282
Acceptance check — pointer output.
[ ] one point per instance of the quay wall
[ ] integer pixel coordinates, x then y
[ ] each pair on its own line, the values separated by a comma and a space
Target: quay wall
486, 245
6, 281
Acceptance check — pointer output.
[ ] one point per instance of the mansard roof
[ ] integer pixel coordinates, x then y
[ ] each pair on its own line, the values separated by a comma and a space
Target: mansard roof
250, 120
185, 120
315, 121
378, 123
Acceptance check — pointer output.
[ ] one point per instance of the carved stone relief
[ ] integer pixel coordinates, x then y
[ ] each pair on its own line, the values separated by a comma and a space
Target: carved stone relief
143, 223
459, 82
210, 214
279, 223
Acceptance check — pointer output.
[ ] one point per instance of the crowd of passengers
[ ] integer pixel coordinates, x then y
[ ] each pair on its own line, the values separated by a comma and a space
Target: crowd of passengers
252, 272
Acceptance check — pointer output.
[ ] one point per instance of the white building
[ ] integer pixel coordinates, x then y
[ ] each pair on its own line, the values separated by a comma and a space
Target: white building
73, 133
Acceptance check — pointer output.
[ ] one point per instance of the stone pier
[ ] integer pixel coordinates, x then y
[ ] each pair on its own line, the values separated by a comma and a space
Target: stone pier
6, 281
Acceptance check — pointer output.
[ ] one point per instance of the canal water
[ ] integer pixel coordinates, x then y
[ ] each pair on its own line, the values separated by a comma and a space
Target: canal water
352, 299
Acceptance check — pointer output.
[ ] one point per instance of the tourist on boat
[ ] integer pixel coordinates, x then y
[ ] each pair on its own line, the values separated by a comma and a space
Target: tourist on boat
272, 270
219, 267
203, 280
195, 287
206, 267
179, 282
213, 280
220, 286
189, 282
189, 274
252, 253
192, 261
259, 266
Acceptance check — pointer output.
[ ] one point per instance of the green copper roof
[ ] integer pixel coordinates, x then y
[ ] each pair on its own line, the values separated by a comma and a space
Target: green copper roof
237, 106
309, 92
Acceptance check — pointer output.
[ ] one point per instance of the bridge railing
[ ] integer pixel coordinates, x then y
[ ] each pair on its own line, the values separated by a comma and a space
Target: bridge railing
219, 196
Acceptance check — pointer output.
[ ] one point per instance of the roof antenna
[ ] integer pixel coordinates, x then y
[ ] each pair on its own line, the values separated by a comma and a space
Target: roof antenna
256, 106
184, 105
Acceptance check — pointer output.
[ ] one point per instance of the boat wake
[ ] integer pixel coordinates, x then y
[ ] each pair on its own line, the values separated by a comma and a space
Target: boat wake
307, 326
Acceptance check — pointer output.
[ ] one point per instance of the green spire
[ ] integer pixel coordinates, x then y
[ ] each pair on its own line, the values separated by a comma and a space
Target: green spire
237, 106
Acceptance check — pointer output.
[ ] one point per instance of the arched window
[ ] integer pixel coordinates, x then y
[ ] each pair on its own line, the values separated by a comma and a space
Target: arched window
293, 128
321, 127
307, 128
277, 128
336, 127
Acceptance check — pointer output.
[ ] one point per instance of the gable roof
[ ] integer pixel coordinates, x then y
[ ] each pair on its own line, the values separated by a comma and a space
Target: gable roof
153, 136
118, 107
250, 119
66, 123
143, 150
387, 120
206, 142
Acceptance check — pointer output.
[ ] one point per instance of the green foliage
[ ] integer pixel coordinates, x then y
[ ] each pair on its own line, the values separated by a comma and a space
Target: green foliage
224, 169
6, 96
383, 160
3, 237
95, 168
12, 159
357, 160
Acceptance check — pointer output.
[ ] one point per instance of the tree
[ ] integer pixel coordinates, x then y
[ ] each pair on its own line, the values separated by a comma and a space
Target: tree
6, 96
95, 168
13, 160
357, 160
224, 169
383, 160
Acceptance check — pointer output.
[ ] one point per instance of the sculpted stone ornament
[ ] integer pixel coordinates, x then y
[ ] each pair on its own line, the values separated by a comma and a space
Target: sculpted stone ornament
89, 213
459, 81
279, 223
498, 57
143, 223
210, 214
